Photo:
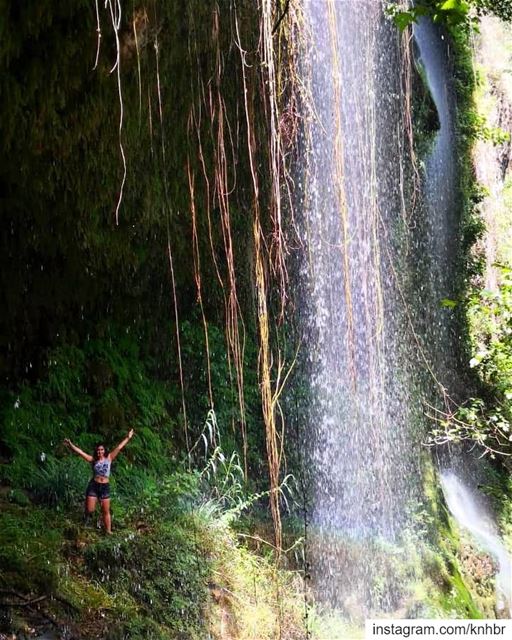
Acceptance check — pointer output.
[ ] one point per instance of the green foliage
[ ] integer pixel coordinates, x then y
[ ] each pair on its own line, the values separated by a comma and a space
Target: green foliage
223, 478
172, 547
486, 419
498, 486
490, 314
474, 126
142, 494
136, 626
29, 549
500, 8
90, 394
454, 14
225, 390
164, 572
447, 303
262, 602
59, 483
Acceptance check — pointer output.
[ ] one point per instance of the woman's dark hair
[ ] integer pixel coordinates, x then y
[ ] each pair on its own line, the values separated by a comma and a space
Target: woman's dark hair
99, 444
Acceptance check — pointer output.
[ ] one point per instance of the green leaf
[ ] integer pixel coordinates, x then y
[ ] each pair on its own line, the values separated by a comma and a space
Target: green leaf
459, 6
403, 19
449, 304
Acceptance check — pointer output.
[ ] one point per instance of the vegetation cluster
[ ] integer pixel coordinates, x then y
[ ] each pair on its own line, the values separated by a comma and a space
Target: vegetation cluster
480, 416
123, 312
178, 563
454, 14
484, 416
93, 341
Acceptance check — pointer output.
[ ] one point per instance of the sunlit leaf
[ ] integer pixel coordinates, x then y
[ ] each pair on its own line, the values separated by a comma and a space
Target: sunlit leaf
455, 5
403, 19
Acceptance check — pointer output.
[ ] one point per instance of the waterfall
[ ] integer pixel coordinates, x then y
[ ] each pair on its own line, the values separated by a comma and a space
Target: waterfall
437, 242
470, 512
361, 447
377, 341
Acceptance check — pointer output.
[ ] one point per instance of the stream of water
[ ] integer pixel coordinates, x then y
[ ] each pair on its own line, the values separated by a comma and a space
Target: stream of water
377, 339
470, 511
362, 450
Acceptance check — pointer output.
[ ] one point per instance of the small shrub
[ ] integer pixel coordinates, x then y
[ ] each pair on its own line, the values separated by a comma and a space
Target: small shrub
60, 483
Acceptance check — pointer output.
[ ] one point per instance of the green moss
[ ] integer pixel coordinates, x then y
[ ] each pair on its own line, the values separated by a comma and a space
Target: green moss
163, 570
29, 549
439, 586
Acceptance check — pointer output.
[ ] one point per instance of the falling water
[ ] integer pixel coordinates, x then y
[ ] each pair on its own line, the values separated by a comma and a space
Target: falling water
437, 242
470, 512
377, 339
361, 448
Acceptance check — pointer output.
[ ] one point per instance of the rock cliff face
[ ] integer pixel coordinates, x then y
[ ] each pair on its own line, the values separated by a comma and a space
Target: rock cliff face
493, 153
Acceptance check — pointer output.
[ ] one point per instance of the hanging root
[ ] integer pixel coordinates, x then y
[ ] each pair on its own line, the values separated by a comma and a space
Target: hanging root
178, 341
169, 213
407, 114
218, 191
113, 7
264, 360
269, 80
267, 397
279, 89
98, 36
197, 277
339, 185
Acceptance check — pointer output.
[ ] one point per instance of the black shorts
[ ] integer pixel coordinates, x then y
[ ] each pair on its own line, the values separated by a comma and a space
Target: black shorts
98, 490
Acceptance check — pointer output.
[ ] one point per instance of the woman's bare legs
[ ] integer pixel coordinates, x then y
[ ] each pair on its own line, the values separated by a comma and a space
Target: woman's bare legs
107, 518
90, 507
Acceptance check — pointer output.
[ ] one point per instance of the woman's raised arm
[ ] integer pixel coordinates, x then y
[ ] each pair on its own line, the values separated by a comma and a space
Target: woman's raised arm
122, 444
77, 450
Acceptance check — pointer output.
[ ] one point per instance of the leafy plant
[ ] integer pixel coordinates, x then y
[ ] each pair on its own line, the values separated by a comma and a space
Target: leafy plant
451, 13
60, 483
487, 419
89, 394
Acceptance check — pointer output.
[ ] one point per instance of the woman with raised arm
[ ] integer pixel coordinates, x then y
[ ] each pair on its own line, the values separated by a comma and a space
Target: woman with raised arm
98, 487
